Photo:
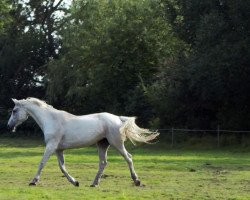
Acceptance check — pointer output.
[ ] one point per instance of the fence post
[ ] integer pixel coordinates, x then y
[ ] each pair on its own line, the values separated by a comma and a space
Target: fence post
218, 136
172, 138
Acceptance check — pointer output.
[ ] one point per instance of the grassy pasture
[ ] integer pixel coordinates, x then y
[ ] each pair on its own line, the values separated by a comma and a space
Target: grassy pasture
165, 174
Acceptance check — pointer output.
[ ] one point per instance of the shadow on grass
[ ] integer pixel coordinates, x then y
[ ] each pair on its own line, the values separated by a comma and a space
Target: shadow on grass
15, 154
26, 142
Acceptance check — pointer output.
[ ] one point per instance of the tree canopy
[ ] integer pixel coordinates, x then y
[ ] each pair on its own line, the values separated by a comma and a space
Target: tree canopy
169, 62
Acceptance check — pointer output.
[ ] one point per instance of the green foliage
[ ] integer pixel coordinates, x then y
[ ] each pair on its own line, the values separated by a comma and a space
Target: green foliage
111, 51
169, 62
27, 29
22, 54
5, 18
213, 88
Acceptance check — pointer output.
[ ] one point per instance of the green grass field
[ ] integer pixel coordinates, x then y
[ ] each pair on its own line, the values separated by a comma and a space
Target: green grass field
164, 173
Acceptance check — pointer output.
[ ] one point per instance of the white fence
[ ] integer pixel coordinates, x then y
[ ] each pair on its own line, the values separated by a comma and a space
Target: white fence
174, 131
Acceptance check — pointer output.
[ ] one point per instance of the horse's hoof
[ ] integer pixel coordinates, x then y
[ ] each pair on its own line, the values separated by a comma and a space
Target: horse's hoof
92, 185
32, 184
76, 184
137, 182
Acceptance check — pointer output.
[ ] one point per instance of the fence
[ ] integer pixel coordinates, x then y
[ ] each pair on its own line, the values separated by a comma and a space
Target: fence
173, 132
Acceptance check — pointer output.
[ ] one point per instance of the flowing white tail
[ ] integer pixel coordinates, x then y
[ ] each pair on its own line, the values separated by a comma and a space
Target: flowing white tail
134, 133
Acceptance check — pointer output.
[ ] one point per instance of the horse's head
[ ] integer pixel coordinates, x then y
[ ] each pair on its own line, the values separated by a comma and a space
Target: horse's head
18, 115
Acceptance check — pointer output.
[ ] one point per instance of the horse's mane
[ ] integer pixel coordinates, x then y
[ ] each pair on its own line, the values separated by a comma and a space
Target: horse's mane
38, 102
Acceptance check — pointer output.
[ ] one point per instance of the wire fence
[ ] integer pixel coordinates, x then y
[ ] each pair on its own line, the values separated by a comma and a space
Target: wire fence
173, 137
216, 137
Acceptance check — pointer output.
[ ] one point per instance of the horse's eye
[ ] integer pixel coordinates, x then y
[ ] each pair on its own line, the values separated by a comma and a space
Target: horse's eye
14, 111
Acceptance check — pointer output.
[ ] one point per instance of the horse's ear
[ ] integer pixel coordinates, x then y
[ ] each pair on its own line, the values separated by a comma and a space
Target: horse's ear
15, 101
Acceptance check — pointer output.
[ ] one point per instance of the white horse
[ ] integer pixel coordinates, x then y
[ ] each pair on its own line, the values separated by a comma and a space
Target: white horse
63, 130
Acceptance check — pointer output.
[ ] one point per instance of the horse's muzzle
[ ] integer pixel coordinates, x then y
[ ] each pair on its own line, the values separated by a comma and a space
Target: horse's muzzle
8, 127
11, 128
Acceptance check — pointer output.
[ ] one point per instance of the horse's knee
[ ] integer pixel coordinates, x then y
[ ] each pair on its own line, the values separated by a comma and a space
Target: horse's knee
129, 160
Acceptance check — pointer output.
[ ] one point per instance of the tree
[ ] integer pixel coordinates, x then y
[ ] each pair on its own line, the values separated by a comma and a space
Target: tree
213, 88
28, 38
29, 43
111, 52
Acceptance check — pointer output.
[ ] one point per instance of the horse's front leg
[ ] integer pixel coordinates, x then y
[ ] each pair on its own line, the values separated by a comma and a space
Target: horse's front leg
61, 162
50, 149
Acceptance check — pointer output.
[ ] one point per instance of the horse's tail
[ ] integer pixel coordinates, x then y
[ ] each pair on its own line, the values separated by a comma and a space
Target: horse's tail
134, 133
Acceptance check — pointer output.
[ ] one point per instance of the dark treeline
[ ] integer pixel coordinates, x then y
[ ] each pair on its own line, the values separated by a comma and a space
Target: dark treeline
178, 63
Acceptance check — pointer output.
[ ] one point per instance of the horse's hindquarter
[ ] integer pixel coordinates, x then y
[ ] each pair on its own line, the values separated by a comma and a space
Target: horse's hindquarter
80, 131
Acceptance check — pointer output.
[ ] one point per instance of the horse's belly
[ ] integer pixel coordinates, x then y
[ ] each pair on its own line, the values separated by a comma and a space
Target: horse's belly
82, 131
80, 140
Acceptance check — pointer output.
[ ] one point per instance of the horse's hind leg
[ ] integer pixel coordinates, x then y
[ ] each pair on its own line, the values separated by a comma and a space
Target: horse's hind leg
103, 146
60, 158
128, 157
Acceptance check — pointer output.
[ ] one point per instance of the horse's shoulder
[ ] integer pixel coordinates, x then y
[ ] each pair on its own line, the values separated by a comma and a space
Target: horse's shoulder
62, 115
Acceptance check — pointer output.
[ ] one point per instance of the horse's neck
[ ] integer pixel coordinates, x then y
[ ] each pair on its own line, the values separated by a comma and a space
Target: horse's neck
42, 116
